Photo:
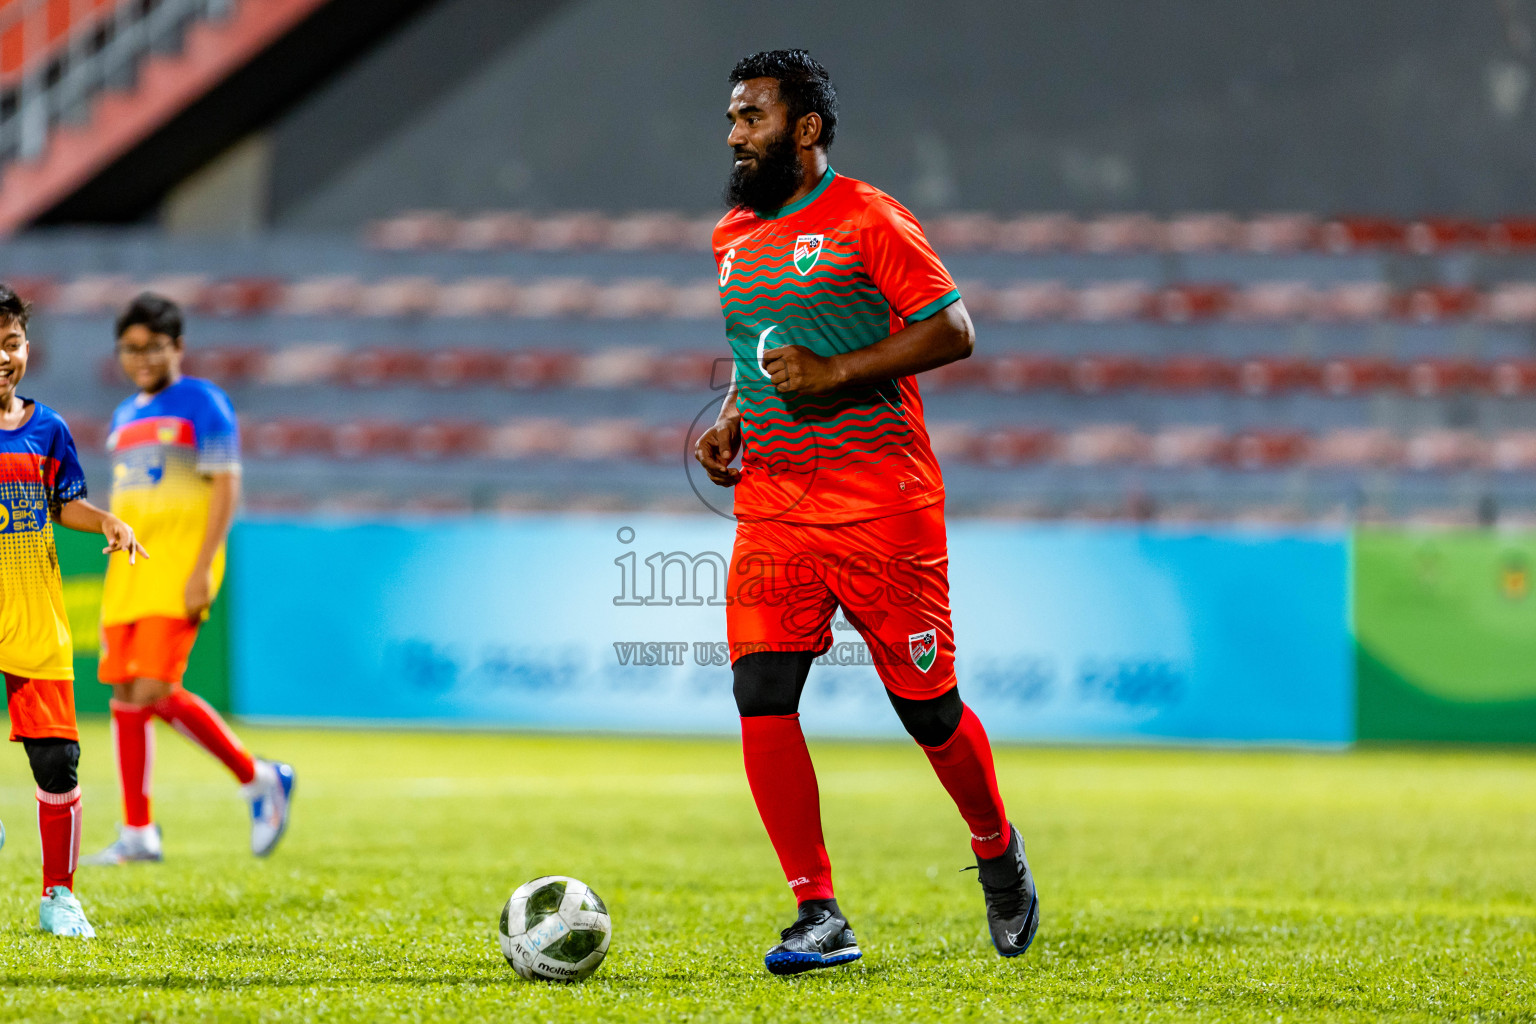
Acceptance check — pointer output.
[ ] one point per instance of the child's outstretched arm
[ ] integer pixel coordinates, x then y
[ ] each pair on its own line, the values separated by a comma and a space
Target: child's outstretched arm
87, 518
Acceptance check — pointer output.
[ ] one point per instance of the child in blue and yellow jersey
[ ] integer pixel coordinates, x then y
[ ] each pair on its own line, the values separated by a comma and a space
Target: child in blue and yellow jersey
175, 449
41, 483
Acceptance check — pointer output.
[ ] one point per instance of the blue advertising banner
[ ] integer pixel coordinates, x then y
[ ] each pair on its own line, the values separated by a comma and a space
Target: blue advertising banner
618, 623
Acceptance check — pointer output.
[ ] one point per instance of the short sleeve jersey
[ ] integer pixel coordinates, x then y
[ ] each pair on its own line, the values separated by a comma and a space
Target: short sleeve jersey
39, 474
165, 448
835, 271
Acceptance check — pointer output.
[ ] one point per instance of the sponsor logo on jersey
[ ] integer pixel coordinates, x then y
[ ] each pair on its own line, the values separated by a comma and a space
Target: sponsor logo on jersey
807, 252
925, 648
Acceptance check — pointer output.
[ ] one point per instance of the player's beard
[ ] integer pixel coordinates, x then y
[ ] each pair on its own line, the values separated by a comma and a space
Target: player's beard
772, 180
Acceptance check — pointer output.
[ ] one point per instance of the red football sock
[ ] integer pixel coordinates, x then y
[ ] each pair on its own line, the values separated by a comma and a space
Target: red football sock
191, 716
783, 784
133, 737
58, 822
964, 766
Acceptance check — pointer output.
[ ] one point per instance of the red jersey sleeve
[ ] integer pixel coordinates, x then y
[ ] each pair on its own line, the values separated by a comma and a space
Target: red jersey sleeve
901, 263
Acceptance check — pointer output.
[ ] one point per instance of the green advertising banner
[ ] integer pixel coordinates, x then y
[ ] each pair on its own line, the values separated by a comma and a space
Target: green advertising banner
82, 565
1445, 630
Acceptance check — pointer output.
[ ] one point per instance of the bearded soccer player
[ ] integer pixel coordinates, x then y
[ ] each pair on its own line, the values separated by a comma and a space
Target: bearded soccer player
41, 483
175, 450
833, 299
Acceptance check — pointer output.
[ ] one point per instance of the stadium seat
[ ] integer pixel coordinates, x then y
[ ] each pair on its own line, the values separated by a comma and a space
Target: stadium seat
1513, 378
1343, 377
399, 296
372, 439
1357, 448
302, 365
241, 296
465, 367
322, 296
1190, 446
287, 438
1184, 303
380, 367
640, 231
962, 232
1023, 301
1436, 303
1181, 374
448, 439
534, 369
1095, 375
1274, 301
557, 296
495, 230
1269, 449
1511, 303
92, 294
1015, 373
421, 229
1048, 232
1012, 446
633, 298
478, 296
1105, 444
227, 366
1361, 301
615, 368
1514, 452
603, 439
1203, 232
1446, 450
567, 231
690, 371
1354, 234
1440, 234
1431, 378
1124, 232
1115, 300
1280, 233
953, 441
1516, 234
527, 438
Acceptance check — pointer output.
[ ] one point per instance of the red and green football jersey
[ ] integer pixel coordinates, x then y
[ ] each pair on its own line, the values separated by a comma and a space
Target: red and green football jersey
834, 272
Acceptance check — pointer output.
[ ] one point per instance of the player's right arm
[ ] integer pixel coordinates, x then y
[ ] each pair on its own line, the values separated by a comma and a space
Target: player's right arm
87, 518
718, 445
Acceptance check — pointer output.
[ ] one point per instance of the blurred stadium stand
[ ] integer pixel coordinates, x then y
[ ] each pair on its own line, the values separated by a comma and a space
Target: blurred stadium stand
1205, 367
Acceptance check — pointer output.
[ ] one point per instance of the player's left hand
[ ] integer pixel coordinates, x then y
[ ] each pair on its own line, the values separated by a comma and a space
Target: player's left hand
795, 369
120, 538
199, 593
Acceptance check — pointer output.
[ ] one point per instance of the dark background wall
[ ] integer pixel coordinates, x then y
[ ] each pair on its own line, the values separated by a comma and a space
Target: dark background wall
1393, 106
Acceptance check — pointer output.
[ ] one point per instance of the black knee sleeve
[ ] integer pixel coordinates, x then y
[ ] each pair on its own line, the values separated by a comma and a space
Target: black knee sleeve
54, 763
931, 722
770, 682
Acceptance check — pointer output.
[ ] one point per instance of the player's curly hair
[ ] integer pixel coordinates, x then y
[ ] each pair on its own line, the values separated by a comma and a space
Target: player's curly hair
13, 308
804, 85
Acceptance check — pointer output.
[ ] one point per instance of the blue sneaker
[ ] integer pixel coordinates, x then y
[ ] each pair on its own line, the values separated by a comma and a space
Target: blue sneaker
61, 914
270, 795
820, 937
1013, 907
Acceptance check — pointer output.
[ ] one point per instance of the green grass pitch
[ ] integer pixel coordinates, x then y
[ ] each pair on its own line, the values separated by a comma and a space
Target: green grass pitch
1176, 885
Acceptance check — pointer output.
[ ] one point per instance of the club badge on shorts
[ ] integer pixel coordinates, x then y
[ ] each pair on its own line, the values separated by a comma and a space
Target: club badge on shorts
924, 647
807, 252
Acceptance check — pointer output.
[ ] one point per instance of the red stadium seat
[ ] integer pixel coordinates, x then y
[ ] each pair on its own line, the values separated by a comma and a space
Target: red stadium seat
1357, 448
1354, 234
1027, 301
280, 439
186, 290
697, 301
1439, 302
667, 443
1430, 378
1281, 232
1191, 446
399, 296
465, 367
1095, 375
1015, 373
1047, 232
1343, 377
1269, 449
372, 439
92, 294
1513, 378
1188, 302
534, 369
1447, 450
1182, 374
605, 439
951, 440
1014, 446
1105, 444
1439, 234
381, 367
1516, 234
1203, 232
448, 440
226, 366
966, 373
241, 296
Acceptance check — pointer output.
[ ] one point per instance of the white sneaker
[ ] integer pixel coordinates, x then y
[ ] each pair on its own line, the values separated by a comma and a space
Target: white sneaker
61, 914
269, 795
134, 843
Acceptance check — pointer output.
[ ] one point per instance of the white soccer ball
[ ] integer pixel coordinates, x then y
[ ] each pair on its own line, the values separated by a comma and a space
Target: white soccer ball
555, 928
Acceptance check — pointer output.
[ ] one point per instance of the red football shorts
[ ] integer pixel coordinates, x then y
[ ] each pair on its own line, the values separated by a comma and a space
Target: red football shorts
890, 576
41, 708
156, 647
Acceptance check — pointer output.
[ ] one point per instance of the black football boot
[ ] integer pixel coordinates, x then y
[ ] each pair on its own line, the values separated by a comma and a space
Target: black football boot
1013, 908
820, 937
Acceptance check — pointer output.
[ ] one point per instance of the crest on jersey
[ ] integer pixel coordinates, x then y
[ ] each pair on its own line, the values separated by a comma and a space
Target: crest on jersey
807, 252
925, 648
